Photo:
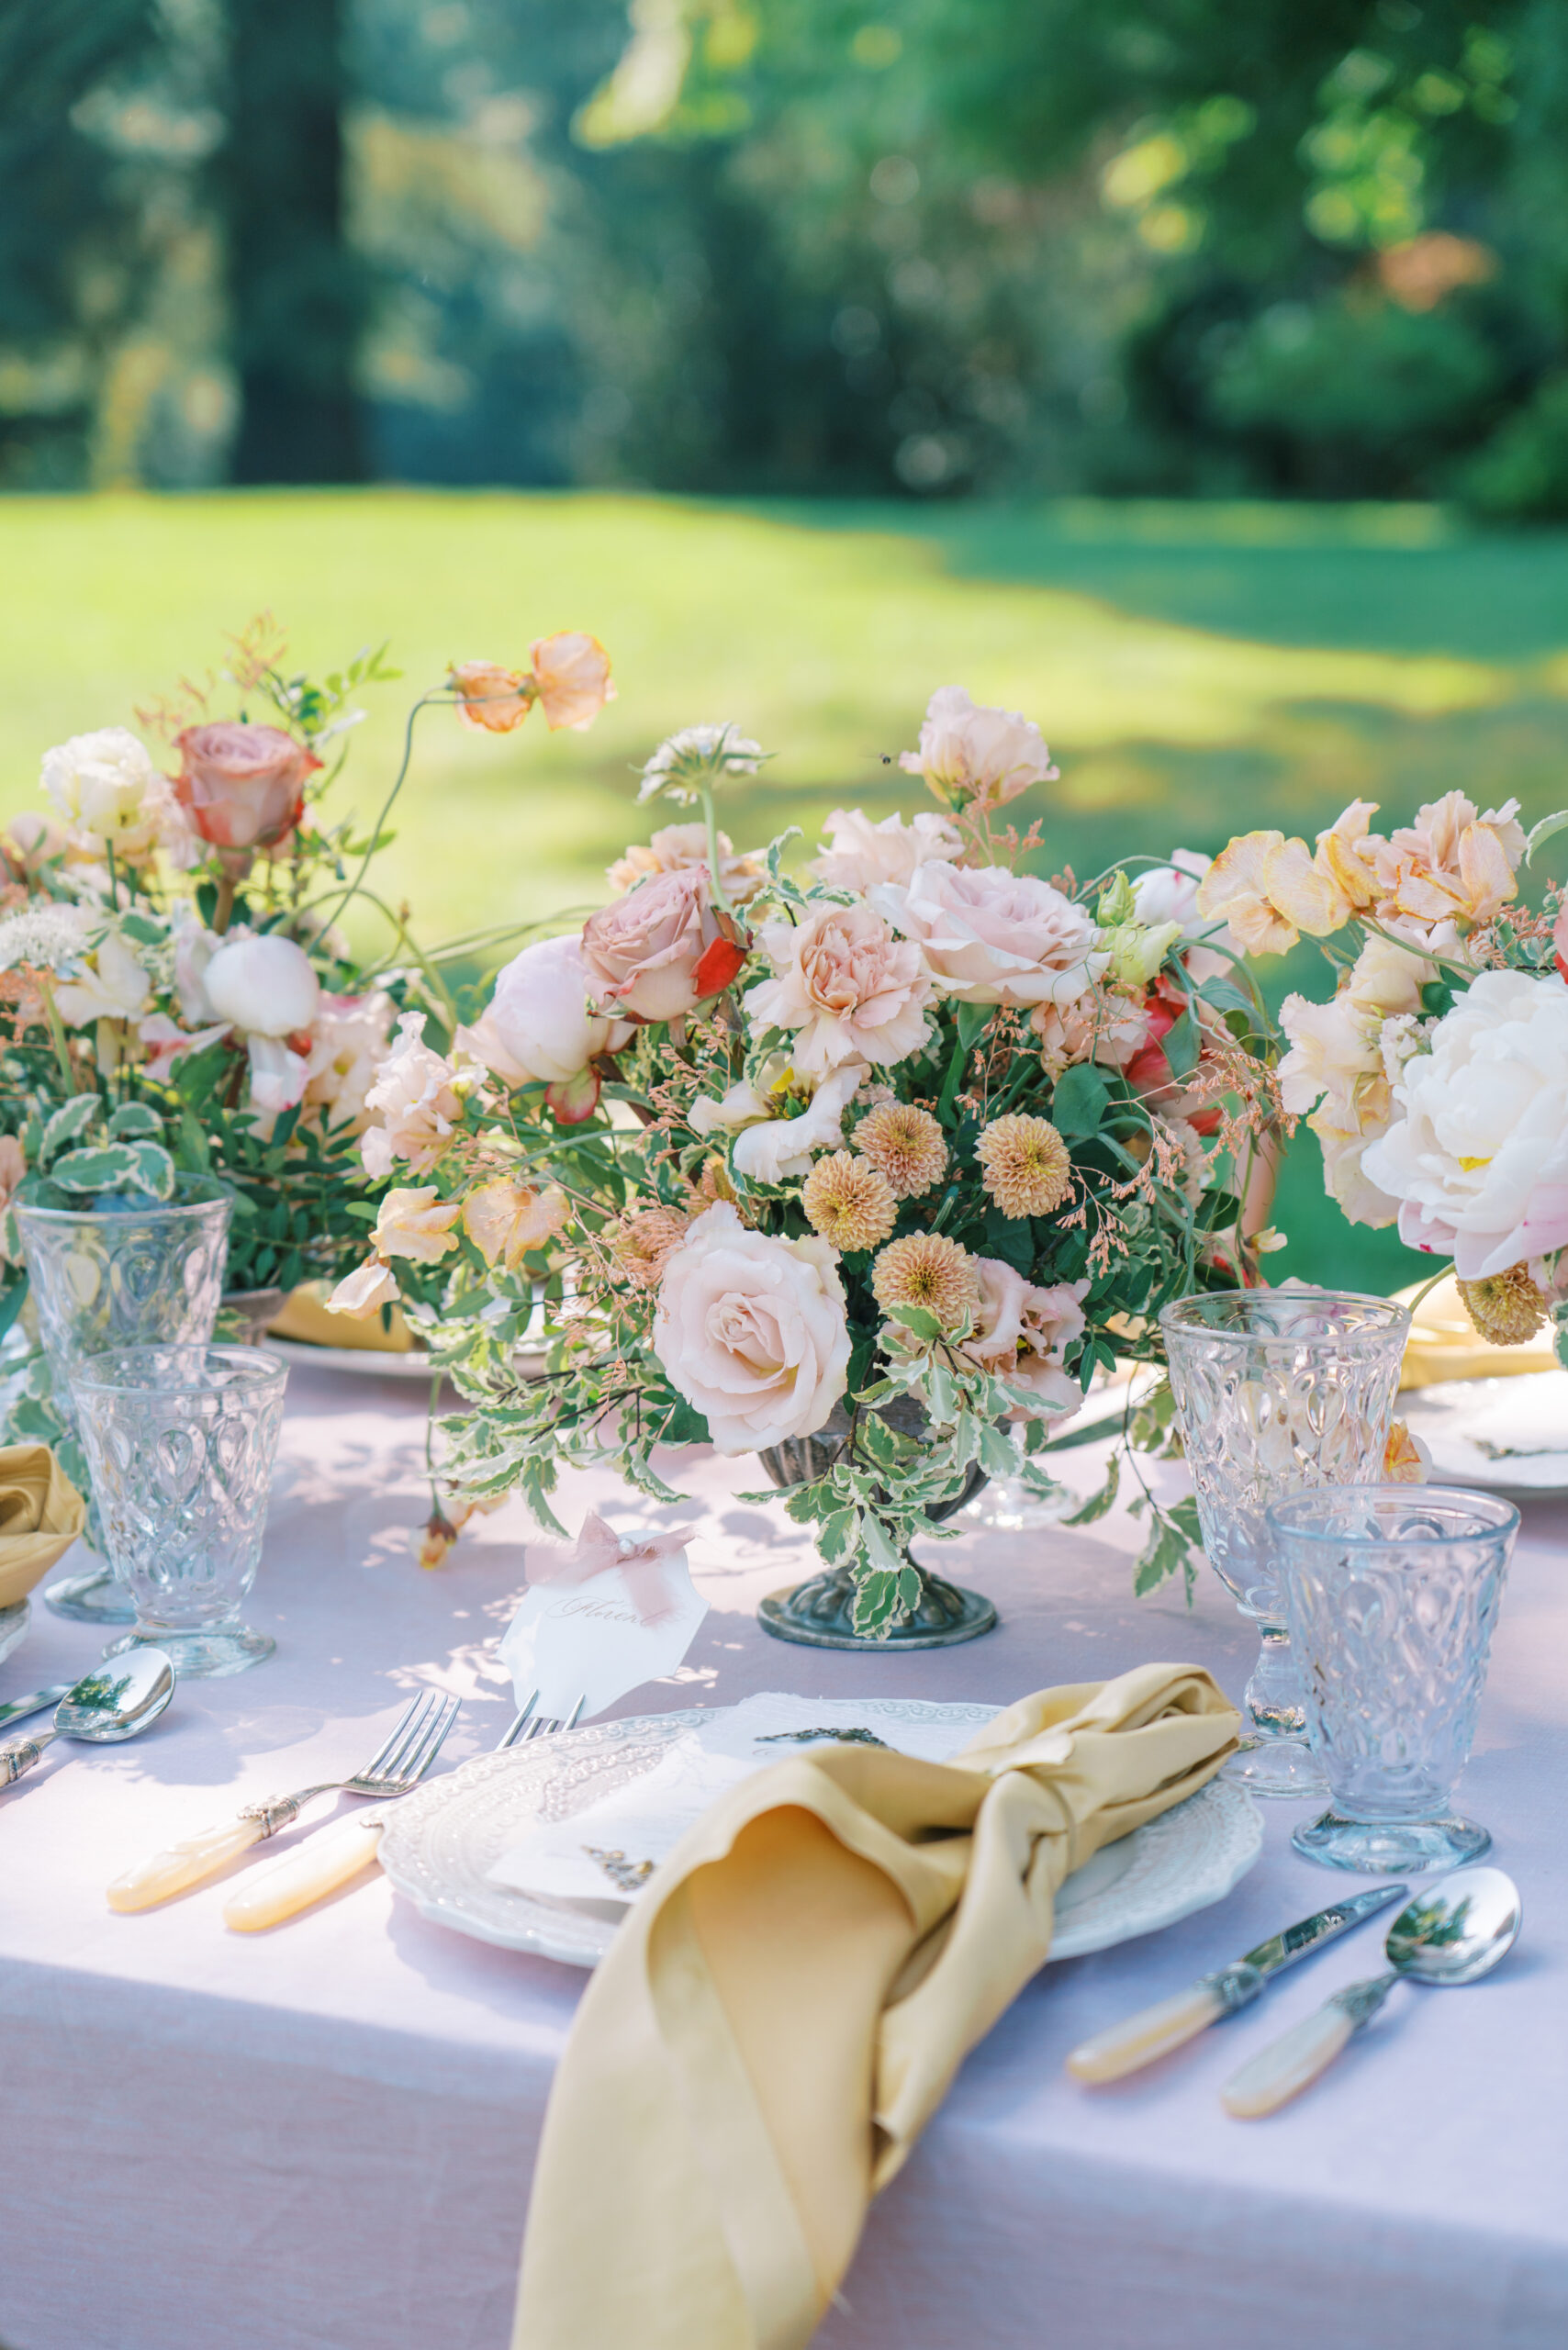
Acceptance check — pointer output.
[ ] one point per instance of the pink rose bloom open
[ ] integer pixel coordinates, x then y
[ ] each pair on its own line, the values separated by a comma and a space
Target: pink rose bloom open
752, 1331
242, 787
643, 952
991, 937
850, 989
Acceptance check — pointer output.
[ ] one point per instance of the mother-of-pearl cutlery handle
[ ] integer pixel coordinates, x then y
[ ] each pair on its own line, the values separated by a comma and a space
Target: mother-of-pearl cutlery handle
1292, 2062
182, 1864
22, 1753
1123, 2047
333, 1857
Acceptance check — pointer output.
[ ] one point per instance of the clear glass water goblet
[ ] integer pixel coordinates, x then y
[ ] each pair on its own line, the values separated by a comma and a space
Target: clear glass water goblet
121, 1272
1277, 1391
182, 1442
1392, 1593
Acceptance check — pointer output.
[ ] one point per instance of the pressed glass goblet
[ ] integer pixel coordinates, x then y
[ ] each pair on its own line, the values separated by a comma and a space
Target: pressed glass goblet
181, 1441
1277, 1390
123, 1272
1393, 1592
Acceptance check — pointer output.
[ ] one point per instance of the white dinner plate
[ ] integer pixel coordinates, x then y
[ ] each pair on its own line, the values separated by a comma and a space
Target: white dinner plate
440, 1844
373, 1363
1510, 1435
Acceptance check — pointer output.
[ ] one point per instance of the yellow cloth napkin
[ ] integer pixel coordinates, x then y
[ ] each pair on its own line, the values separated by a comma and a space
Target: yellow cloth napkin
781, 2014
41, 1514
1445, 1344
305, 1316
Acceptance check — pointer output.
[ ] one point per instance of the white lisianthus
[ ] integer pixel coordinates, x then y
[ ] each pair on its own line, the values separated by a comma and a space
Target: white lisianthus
106, 786
1477, 1154
773, 1148
110, 984
265, 986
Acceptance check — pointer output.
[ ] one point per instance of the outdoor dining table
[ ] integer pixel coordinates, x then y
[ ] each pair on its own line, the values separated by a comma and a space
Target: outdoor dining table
321, 2138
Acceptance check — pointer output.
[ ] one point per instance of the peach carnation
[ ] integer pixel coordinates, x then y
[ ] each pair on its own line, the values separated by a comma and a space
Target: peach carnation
849, 1201
905, 1143
505, 1220
675, 849
858, 852
851, 991
928, 1270
1027, 1166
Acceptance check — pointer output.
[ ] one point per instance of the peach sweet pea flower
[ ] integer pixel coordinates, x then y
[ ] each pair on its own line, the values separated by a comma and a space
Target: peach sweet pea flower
364, 1291
493, 701
505, 1220
1235, 891
415, 1098
1406, 1459
571, 678
851, 990
242, 787
416, 1224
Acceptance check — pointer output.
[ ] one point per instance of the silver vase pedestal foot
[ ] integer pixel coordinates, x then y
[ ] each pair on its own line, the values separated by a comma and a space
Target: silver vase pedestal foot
820, 1614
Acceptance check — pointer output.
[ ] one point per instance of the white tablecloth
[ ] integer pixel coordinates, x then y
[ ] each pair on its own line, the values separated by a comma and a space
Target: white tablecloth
320, 2139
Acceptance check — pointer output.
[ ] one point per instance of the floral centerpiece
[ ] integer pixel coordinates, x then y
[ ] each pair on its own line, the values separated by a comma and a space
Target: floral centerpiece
865, 1169
1436, 1077
177, 998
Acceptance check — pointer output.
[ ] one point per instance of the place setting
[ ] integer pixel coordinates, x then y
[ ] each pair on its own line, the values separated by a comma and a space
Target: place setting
864, 1190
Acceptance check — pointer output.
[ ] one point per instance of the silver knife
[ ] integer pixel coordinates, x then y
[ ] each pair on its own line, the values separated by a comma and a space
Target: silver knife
36, 1703
1125, 2046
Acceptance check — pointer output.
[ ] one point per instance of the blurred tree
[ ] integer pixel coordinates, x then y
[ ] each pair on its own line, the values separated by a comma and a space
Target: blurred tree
298, 293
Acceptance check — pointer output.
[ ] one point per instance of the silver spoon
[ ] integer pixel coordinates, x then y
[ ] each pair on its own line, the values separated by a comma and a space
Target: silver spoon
1452, 1932
118, 1700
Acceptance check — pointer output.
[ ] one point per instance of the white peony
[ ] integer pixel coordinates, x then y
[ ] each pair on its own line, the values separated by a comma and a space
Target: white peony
538, 1026
265, 985
1477, 1155
972, 753
991, 937
752, 1331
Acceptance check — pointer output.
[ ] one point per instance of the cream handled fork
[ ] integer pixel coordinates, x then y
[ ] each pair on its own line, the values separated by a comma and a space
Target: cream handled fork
396, 1768
335, 1856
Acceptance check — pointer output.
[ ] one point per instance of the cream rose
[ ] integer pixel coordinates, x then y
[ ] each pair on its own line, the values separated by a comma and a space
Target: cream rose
858, 852
107, 788
851, 991
265, 985
752, 1331
991, 937
1022, 1333
242, 787
537, 1027
416, 1104
972, 753
649, 954
1477, 1154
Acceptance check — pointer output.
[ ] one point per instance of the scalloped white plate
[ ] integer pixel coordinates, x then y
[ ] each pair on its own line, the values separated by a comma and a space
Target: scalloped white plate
440, 1844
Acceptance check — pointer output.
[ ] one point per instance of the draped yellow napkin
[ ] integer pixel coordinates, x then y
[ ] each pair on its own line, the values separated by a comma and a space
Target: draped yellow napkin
781, 2014
1444, 1343
41, 1514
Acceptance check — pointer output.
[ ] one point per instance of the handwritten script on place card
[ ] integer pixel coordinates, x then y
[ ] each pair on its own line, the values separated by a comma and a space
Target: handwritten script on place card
599, 1637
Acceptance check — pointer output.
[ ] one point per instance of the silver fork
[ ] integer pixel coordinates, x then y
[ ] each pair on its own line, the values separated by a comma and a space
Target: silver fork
528, 1724
396, 1767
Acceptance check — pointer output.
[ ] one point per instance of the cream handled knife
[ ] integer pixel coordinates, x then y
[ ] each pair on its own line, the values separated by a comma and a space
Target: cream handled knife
333, 1857
1125, 2046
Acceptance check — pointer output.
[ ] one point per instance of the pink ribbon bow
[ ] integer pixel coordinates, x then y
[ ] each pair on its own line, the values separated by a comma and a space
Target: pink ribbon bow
598, 1547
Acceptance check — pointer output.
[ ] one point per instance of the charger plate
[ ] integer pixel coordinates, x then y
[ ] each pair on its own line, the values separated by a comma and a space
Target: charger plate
1510, 1435
438, 1844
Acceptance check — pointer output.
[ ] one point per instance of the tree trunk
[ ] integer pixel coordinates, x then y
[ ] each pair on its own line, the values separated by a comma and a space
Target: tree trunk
298, 294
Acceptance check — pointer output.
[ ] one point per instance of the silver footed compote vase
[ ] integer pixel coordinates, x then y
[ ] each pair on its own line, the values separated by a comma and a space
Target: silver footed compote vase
820, 1613
122, 1272
1277, 1391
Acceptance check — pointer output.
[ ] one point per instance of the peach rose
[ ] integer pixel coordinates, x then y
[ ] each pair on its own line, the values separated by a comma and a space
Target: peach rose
242, 787
1022, 1333
492, 700
858, 852
851, 991
415, 1101
571, 678
991, 937
752, 1331
648, 955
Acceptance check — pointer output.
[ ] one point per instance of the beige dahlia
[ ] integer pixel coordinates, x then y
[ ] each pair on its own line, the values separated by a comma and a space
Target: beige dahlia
925, 1269
1027, 1168
904, 1143
849, 1201
1508, 1309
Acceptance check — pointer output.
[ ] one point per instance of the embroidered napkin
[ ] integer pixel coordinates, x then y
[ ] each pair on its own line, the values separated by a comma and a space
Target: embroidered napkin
608, 1850
41, 1514
776, 2023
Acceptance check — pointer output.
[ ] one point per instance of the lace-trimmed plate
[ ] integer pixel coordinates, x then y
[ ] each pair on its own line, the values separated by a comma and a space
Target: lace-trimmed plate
440, 1844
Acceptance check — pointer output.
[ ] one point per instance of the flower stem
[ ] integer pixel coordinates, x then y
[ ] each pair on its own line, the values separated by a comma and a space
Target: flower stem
435, 693
715, 879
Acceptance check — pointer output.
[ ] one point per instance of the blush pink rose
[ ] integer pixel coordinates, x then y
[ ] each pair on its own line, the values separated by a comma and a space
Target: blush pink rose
752, 1331
538, 1027
851, 991
991, 937
1022, 1333
242, 787
655, 952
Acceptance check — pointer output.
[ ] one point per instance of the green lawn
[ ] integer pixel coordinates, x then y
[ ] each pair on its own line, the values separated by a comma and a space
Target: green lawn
1197, 670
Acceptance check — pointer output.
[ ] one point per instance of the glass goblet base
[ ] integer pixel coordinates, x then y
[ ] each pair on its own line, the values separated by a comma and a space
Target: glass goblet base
94, 1598
1391, 1847
1276, 1766
207, 1655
